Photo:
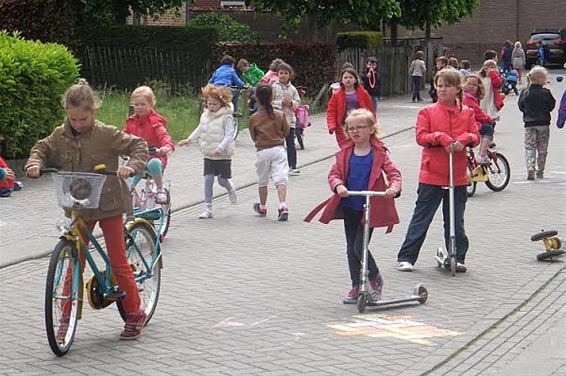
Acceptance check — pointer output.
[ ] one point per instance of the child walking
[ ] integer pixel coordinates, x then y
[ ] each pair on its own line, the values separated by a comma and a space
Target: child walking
441, 127
215, 136
146, 123
268, 130
362, 164
536, 103
492, 102
286, 98
349, 97
371, 82
417, 71
78, 145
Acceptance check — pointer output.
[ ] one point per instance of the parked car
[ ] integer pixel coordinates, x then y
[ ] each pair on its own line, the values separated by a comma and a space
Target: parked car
555, 40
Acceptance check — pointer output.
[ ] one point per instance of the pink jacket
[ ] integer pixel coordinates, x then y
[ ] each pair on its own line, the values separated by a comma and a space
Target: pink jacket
152, 128
336, 111
270, 77
383, 212
481, 117
438, 125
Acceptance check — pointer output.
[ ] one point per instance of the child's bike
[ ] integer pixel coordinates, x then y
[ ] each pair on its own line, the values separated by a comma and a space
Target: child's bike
365, 297
64, 291
496, 173
146, 207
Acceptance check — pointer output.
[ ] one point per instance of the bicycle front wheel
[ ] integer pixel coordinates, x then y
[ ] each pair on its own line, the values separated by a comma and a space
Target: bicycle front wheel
498, 173
62, 289
145, 262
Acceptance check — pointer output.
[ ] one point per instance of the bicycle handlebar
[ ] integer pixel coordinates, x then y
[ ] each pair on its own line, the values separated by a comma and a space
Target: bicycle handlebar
102, 171
366, 193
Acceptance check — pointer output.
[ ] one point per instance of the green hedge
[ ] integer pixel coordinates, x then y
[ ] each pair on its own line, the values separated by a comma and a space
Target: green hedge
359, 39
34, 76
126, 56
314, 63
228, 28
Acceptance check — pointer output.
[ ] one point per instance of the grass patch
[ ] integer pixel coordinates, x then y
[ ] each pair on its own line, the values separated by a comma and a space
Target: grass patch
182, 112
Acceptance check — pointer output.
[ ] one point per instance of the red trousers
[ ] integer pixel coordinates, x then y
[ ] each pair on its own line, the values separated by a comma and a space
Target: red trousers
113, 230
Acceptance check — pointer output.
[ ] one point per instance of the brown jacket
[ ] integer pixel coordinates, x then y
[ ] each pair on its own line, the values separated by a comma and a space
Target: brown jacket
267, 132
100, 144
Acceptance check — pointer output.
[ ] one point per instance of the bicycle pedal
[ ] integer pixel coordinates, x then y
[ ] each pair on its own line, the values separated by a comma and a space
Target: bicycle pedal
115, 295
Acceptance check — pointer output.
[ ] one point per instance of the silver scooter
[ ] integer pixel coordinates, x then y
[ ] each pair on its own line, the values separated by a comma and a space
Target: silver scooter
365, 297
448, 259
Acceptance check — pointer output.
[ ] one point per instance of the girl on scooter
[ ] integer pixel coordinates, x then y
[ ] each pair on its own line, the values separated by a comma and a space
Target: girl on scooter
441, 127
363, 164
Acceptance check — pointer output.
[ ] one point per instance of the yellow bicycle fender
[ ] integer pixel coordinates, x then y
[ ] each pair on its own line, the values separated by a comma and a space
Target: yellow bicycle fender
136, 220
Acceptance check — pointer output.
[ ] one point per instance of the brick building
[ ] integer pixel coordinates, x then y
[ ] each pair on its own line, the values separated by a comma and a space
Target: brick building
493, 22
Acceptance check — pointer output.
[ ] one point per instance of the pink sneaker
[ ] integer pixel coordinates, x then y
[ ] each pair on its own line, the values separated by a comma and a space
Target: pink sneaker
259, 212
161, 197
352, 297
135, 322
376, 285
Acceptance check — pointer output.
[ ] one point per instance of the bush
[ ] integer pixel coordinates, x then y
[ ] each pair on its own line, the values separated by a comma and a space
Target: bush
228, 29
45, 20
34, 77
359, 39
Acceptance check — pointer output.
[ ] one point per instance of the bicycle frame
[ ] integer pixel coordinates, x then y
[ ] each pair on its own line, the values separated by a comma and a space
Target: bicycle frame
77, 229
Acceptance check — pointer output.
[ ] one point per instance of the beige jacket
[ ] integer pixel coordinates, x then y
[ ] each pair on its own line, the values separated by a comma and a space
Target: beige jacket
80, 153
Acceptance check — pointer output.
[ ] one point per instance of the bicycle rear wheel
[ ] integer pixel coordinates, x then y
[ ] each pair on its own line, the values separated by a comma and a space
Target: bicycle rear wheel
471, 187
146, 266
498, 173
166, 217
62, 289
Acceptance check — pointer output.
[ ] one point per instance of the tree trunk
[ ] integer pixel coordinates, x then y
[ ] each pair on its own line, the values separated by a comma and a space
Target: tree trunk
394, 33
427, 32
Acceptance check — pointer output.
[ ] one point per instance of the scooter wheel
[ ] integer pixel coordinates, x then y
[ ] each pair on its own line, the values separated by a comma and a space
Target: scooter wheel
423, 294
362, 301
549, 254
543, 235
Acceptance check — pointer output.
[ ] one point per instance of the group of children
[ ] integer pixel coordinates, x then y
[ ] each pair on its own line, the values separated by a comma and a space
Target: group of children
363, 162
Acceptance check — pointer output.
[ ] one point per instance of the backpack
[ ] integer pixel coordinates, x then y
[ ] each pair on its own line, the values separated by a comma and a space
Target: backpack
302, 114
253, 75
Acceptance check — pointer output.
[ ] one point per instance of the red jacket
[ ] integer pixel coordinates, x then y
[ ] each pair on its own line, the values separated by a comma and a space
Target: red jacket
481, 117
7, 183
439, 125
496, 82
152, 128
336, 111
383, 212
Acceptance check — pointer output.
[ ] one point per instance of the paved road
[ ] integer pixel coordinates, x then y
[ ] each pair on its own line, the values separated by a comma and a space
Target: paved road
247, 295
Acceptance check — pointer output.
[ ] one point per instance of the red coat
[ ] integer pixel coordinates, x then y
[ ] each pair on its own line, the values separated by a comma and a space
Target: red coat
439, 125
496, 82
383, 212
6, 183
152, 128
336, 111
481, 117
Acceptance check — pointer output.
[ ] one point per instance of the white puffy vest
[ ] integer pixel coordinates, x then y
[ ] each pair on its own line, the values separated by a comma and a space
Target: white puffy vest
212, 133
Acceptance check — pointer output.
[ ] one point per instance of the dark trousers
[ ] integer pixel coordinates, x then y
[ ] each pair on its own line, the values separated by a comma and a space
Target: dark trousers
291, 150
354, 229
416, 80
428, 200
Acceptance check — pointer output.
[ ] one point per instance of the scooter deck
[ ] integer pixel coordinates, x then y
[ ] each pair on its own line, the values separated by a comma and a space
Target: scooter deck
413, 298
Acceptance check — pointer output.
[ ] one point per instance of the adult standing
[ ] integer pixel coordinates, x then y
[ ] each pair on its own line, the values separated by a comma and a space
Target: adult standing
506, 53
349, 97
417, 71
519, 59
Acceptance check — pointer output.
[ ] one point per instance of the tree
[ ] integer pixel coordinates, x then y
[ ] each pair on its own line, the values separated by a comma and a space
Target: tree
119, 10
366, 13
424, 14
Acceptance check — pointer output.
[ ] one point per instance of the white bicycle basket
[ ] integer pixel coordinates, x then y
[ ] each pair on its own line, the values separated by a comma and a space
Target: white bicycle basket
78, 190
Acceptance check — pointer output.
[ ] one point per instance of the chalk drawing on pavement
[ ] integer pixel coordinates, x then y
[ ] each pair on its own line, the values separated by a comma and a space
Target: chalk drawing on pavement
400, 327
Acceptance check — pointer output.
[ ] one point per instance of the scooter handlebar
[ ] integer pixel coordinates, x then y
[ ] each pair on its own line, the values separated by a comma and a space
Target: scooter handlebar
366, 193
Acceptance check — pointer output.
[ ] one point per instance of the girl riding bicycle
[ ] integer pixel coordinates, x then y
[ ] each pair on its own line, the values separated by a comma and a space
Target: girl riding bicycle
78, 145
146, 123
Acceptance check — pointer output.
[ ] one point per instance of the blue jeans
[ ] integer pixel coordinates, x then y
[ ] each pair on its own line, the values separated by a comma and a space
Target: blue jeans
428, 200
416, 87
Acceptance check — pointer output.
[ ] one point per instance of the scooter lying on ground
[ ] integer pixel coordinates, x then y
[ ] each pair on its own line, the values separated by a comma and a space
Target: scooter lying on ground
365, 297
552, 244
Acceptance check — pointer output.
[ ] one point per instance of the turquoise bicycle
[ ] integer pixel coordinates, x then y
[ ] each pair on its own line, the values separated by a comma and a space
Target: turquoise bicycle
64, 291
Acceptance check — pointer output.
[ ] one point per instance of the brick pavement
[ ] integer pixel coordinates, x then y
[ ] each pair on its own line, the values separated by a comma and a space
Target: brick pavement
247, 295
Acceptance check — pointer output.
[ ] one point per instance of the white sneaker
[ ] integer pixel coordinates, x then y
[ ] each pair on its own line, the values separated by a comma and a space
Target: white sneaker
294, 172
405, 266
205, 214
232, 196
460, 268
